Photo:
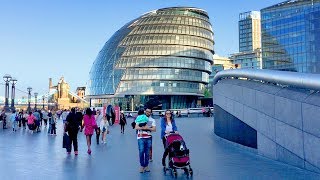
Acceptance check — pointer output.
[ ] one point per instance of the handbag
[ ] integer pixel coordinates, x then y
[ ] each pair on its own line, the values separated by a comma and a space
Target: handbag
66, 141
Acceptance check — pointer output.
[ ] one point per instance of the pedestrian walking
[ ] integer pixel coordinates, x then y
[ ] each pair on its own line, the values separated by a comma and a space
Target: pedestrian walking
148, 114
20, 117
123, 122
89, 123
13, 119
24, 119
144, 127
168, 125
53, 122
64, 116
3, 117
50, 116
104, 125
38, 119
72, 126
45, 117
31, 122
98, 117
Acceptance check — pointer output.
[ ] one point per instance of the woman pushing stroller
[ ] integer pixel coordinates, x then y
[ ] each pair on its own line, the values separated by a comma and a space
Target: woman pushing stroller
174, 146
168, 125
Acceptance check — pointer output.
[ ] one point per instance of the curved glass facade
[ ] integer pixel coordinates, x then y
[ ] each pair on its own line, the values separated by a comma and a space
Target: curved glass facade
166, 52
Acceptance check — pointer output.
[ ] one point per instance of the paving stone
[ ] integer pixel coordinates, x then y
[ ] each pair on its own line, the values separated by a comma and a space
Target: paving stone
39, 156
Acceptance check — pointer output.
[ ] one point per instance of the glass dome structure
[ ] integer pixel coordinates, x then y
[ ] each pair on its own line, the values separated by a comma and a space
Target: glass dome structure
165, 52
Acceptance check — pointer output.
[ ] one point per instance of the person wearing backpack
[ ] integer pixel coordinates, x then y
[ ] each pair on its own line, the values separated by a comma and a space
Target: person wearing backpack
72, 126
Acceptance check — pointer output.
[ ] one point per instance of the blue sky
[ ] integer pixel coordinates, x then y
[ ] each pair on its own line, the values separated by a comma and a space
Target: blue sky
41, 39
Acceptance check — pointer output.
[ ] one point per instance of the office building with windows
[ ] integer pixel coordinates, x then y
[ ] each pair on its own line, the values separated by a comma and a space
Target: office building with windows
248, 59
249, 55
291, 36
164, 55
249, 31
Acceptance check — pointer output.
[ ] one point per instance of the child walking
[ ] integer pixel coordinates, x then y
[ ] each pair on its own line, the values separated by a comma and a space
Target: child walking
104, 124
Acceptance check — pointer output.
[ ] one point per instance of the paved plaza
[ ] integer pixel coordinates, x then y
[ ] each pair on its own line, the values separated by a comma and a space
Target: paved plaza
39, 156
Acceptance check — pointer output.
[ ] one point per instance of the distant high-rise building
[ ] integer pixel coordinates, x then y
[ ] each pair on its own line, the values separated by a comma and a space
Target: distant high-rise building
249, 31
249, 55
291, 36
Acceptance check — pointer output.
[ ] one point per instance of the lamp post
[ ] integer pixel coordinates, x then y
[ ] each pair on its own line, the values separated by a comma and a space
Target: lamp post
13, 93
29, 98
7, 79
35, 100
43, 102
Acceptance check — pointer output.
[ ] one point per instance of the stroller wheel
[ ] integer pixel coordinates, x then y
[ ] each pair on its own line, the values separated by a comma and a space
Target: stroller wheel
171, 171
175, 174
191, 172
186, 171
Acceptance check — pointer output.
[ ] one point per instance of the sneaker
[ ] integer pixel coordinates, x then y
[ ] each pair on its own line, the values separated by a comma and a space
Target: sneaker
89, 151
76, 153
150, 160
147, 169
141, 170
68, 153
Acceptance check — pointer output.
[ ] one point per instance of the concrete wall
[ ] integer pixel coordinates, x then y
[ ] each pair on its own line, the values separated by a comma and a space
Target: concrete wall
287, 120
229, 127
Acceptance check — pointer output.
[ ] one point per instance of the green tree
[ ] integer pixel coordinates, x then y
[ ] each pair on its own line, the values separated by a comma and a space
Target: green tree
207, 93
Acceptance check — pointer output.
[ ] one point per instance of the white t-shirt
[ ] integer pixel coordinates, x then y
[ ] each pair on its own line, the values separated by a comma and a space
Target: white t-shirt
146, 134
169, 127
104, 124
98, 118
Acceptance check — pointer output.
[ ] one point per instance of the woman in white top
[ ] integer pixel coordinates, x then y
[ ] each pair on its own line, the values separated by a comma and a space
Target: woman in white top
168, 125
98, 118
104, 124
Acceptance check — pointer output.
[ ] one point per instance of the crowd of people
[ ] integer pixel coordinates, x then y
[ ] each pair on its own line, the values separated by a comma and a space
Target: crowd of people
93, 121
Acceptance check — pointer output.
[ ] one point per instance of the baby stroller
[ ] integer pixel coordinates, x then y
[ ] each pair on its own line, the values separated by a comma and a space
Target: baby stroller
178, 155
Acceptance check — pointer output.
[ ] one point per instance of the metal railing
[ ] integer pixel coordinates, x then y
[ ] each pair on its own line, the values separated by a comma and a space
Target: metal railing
301, 80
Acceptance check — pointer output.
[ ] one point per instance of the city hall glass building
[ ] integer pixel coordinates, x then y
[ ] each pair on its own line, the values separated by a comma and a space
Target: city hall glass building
291, 36
165, 55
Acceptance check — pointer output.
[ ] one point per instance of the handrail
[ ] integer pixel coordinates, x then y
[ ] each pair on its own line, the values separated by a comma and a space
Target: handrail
302, 80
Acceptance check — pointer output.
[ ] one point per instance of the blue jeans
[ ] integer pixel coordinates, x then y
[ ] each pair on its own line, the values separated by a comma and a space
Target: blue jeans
144, 145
